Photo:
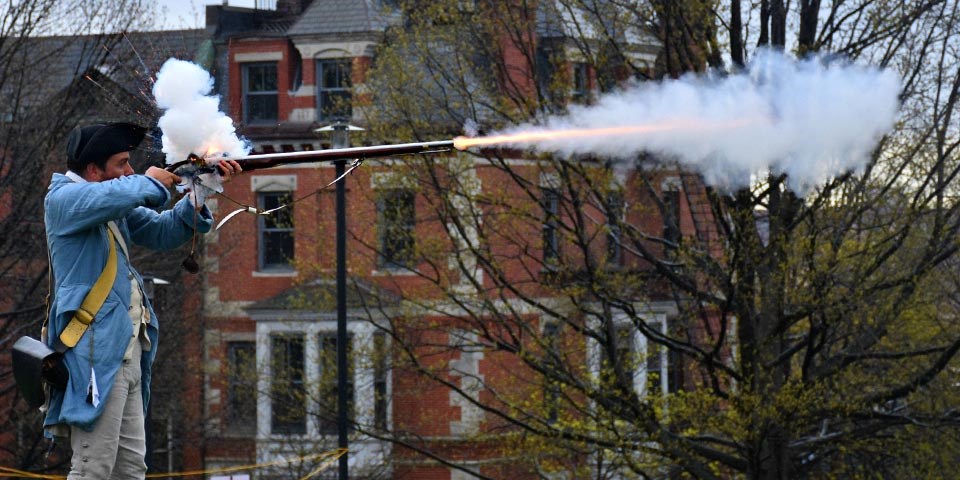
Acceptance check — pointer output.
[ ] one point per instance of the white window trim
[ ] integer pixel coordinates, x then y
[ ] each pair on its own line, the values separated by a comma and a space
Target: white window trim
363, 370
273, 183
255, 57
639, 344
288, 270
383, 181
331, 55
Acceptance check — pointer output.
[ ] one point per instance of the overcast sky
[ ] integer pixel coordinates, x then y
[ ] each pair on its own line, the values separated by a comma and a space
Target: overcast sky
189, 13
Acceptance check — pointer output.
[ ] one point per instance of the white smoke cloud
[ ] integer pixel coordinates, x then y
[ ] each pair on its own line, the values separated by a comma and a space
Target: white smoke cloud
809, 119
192, 121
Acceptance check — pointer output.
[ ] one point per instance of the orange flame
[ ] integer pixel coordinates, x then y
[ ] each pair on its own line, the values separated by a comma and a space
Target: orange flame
462, 143
212, 149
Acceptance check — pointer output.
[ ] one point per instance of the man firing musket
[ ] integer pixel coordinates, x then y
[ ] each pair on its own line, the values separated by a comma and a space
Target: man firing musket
101, 321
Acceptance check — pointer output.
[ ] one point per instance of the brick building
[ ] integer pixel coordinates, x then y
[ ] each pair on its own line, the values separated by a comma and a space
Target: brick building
264, 306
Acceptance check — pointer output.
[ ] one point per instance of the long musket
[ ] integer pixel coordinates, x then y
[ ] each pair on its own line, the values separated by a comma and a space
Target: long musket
267, 160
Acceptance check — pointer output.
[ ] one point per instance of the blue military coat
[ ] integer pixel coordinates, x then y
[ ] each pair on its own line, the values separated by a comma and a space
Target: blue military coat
76, 216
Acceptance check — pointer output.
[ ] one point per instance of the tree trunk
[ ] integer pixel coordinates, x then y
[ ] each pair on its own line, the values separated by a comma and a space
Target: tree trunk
778, 24
809, 14
736, 34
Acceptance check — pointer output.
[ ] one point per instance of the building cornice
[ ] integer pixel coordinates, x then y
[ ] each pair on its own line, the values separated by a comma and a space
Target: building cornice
340, 47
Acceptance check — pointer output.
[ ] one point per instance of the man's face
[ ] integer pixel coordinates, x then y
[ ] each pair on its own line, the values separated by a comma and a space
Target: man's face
118, 165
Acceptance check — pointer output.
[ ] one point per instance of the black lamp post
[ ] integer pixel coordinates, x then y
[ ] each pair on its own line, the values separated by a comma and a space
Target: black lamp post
340, 138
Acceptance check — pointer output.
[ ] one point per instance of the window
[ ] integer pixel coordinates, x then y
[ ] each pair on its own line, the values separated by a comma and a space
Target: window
671, 216
241, 414
674, 371
661, 367
298, 377
551, 240
624, 353
396, 221
276, 231
656, 363
328, 412
551, 390
333, 89
614, 205
380, 366
287, 391
663, 372
545, 68
259, 93
581, 83
633, 359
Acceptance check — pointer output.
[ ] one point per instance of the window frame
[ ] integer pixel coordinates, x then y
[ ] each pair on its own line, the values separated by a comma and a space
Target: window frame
325, 426
345, 89
246, 93
627, 349
550, 229
381, 381
283, 197
641, 347
361, 330
671, 199
390, 256
274, 379
580, 83
237, 383
614, 204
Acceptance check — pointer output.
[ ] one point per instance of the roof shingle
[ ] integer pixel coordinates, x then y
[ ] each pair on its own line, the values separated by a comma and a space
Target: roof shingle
343, 16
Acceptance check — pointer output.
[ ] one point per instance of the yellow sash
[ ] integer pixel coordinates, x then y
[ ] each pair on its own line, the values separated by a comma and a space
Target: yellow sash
83, 317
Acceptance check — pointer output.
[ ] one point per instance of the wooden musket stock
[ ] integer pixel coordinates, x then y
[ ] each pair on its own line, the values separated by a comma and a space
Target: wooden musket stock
267, 160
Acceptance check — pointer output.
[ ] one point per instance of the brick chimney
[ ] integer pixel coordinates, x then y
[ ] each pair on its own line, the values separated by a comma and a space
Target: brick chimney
292, 7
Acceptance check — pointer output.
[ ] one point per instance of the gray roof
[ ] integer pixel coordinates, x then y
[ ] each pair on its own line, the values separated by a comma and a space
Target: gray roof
343, 16
141, 55
265, 25
131, 61
95, 78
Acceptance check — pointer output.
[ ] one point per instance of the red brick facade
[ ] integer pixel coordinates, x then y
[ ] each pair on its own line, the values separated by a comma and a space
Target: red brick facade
235, 289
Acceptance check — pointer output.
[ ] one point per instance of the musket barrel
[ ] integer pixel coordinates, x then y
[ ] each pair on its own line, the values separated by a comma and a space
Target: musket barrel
267, 160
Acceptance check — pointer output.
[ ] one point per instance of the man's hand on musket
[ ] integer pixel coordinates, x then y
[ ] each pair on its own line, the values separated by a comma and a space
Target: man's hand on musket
168, 179
228, 168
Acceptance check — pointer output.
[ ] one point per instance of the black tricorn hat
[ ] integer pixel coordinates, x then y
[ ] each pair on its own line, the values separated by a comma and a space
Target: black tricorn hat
96, 143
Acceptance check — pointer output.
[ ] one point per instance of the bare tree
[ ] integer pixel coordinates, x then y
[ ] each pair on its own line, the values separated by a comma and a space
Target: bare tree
62, 63
638, 319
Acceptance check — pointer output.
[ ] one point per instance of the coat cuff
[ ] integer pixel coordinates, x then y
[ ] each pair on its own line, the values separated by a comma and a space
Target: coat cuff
201, 221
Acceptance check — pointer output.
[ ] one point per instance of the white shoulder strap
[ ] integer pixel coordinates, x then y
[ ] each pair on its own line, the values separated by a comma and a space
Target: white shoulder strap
116, 233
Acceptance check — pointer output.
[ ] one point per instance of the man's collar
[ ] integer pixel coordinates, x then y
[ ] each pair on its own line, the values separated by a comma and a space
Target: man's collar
76, 178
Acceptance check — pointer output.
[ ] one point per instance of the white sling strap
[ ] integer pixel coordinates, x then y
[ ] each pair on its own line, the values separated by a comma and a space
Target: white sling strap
116, 233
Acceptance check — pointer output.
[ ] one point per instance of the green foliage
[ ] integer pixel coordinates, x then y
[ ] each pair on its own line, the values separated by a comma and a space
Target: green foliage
804, 336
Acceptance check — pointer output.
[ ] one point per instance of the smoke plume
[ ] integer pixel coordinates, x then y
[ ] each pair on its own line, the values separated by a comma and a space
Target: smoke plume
192, 121
809, 119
